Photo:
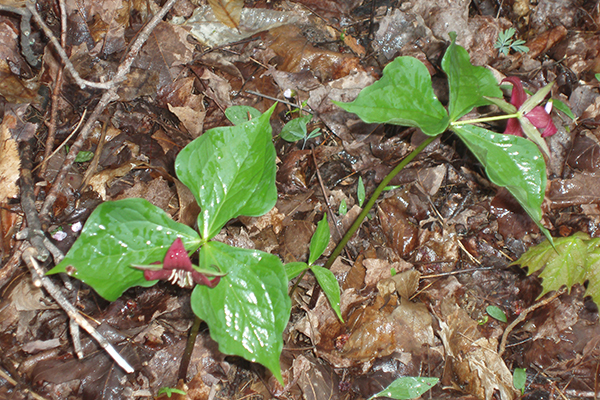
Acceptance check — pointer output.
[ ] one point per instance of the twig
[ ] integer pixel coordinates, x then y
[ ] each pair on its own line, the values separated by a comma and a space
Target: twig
29, 256
46, 159
280, 100
522, 317
4, 375
8, 270
108, 96
55, 92
83, 83
25, 26
35, 234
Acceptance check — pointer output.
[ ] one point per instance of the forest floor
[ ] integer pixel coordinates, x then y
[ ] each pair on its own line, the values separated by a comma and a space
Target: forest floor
442, 217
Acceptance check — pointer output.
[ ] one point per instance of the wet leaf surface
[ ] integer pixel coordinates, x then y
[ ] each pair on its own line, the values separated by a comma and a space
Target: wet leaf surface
446, 231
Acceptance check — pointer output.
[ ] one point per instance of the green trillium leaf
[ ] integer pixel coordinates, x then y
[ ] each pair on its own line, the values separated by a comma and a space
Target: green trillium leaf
249, 308
231, 172
403, 96
117, 235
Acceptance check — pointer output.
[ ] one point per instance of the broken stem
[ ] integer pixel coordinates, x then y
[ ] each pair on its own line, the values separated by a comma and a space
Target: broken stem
338, 249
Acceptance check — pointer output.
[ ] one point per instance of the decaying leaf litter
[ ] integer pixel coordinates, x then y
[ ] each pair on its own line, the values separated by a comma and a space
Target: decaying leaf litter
443, 218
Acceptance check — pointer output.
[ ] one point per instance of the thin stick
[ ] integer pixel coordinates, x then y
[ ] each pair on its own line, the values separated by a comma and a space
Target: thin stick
83, 83
47, 158
522, 317
35, 233
29, 256
280, 100
108, 96
55, 91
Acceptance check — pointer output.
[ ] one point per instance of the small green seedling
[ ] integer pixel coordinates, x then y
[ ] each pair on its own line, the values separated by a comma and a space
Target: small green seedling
407, 387
520, 379
496, 313
296, 130
170, 391
82, 156
360, 192
506, 43
343, 208
326, 279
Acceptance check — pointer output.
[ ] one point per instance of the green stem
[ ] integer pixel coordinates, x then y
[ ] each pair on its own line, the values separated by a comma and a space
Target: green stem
189, 348
338, 249
486, 119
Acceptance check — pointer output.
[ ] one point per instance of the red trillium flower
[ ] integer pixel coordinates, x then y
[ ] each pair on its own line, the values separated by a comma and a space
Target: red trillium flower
537, 116
177, 268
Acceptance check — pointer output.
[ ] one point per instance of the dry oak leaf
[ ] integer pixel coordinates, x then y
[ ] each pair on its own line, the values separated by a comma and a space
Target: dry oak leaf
10, 163
228, 12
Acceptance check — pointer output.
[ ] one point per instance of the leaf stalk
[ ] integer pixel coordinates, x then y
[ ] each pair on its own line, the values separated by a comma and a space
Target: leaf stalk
338, 249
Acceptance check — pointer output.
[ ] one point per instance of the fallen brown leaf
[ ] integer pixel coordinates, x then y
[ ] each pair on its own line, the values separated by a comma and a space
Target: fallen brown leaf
228, 12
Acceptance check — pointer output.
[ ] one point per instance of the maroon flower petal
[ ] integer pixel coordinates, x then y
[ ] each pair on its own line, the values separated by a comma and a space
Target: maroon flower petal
152, 275
201, 279
541, 120
518, 96
177, 257
513, 127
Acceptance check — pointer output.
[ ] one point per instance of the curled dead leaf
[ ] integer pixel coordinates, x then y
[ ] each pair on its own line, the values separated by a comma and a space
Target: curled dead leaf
228, 12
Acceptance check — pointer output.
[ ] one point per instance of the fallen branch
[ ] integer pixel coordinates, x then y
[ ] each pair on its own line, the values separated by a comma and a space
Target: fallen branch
29, 256
522, 317
108, 96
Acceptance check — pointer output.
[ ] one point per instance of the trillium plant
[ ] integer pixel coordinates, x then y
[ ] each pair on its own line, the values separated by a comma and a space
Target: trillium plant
404, 96
242, 294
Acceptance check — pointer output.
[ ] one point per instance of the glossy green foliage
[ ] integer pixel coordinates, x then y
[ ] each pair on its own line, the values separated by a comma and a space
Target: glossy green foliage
512, 162
249, 309
118, 234
407, 387
576, 259
239, 114
403, 96
231, 172
330, 286
467, 83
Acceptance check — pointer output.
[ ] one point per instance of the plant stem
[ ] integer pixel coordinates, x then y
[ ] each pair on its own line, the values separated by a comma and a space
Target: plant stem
486, 119
189, 348
338, 249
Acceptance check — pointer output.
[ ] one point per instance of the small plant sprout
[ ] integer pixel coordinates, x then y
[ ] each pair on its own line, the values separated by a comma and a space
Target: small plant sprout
407, 388
169, 391
496, 313
520, 379
360, 192
506, 43
296, 130
343, 208
328, 281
